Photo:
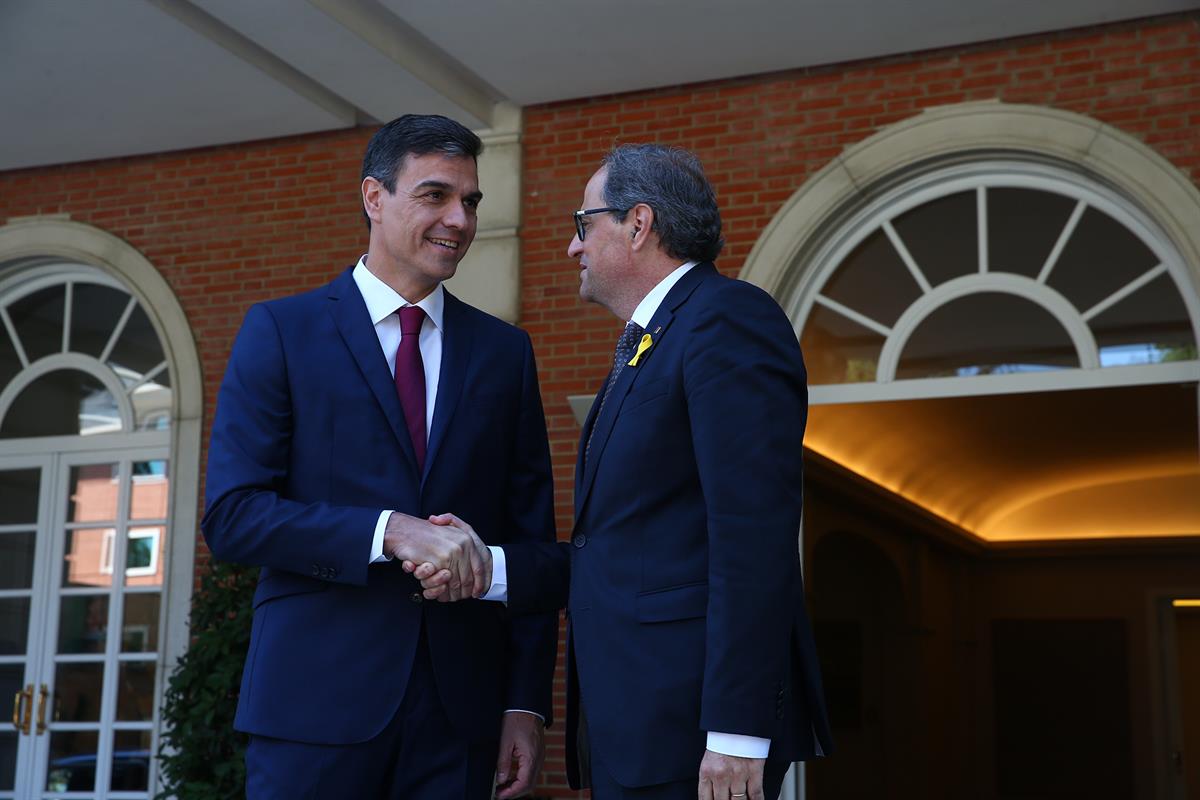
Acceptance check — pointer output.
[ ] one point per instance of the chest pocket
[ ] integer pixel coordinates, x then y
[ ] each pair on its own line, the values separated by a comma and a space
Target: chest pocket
645, 393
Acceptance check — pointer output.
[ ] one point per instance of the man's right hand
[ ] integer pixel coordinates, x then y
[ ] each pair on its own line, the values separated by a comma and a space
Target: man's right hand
450, 556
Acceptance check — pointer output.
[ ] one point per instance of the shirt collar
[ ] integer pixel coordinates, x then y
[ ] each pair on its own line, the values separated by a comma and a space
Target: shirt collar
650, 303
382, 300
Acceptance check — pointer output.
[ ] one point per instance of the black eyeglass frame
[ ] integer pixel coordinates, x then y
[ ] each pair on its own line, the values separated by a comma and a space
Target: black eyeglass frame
579, 215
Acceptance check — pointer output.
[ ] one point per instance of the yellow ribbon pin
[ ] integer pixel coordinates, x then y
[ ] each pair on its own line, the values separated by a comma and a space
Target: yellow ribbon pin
643, 346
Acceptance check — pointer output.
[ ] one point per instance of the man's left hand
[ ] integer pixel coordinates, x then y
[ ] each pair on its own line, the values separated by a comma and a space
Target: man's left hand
520, 754
723, 777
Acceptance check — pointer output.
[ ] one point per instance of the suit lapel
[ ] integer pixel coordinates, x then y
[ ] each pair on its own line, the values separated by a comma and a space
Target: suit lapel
583, 437
353, 322
606, 419
456, 354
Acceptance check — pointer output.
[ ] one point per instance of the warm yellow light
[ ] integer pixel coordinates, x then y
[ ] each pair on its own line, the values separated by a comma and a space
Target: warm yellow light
1186, 603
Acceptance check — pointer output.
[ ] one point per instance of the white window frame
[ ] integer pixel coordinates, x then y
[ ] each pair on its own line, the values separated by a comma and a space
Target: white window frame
47, 244
978, 176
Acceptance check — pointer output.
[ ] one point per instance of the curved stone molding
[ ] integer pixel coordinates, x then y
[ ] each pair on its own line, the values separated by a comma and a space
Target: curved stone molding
36, 237
777, 262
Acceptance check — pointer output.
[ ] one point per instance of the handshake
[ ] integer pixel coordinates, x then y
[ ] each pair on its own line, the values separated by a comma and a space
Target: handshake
443, 553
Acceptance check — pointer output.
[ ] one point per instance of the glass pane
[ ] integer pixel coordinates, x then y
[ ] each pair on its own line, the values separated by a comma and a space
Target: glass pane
143, 556
38, 318
72, 765
12, 680
8, 760
87, 557
93, 493
10, 364
16, 560
77, 692
83, 623
942, 236
135, 691
838, 350
131, 761
139, 629
152, 405
1101, 257
95, 312
983, 334
1151, 326
138, 350
19, 496
14, 625
873, 281
63, 403
1023, 227
148, 499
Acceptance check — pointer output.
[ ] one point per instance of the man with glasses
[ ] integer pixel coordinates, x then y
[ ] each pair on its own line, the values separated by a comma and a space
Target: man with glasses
691, 664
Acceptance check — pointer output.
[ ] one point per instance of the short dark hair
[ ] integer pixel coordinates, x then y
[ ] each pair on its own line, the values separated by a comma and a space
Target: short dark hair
417, 135
671, 181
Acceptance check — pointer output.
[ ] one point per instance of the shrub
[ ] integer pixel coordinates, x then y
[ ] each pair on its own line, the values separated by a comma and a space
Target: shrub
201, 756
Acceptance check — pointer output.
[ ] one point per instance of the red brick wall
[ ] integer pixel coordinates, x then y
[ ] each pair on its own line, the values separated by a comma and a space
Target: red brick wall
229, 226
226, 226
761, 137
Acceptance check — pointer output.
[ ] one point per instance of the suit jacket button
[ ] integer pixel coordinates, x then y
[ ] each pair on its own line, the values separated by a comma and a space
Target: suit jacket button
416, 597
580, 540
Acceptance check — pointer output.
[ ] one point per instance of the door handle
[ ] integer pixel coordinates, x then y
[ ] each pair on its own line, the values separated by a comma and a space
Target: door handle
43, 693
23, 699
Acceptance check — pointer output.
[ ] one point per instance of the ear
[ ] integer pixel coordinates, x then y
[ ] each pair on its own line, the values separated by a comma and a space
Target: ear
372, 197
641, 217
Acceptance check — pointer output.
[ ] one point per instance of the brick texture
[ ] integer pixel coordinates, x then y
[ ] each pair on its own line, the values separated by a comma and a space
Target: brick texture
229, 226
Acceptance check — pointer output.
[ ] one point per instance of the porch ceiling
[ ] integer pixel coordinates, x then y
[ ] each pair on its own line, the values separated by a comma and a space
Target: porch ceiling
82, 80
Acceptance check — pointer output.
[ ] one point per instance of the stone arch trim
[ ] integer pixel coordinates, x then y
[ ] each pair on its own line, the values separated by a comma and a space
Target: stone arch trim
56, 236
40, 237
778, 262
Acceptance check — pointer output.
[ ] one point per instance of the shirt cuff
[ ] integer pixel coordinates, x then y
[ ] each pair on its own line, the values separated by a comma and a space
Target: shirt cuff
737, 744
377, 556
499, 589
523, 711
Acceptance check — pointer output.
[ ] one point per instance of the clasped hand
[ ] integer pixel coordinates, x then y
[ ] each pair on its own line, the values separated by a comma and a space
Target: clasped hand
443, 552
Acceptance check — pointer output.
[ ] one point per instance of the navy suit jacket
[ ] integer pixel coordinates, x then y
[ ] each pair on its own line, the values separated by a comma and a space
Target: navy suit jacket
686, 605
308, 446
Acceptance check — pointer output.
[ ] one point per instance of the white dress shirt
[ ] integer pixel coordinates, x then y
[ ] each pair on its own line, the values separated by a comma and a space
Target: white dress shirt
382, 303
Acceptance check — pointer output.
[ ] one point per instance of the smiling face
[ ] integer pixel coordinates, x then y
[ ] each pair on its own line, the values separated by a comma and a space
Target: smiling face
605, 255
420, 232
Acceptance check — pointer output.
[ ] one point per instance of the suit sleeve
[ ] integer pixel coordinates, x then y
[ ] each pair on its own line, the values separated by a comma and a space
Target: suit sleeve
742, 363
534, 636
248, 519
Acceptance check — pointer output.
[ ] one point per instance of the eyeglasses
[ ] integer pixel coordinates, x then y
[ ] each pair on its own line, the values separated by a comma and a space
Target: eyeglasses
579, 215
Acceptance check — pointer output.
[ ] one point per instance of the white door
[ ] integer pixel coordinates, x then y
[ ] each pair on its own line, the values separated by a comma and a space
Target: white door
82, 552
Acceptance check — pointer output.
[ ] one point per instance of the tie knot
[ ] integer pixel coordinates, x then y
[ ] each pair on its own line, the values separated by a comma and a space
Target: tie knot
631, 334
411, 318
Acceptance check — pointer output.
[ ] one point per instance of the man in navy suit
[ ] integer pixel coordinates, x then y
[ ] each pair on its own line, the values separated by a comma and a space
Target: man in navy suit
349, 417
691, 666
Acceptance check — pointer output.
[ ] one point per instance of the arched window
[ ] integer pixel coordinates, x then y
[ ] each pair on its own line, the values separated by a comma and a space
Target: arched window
86, 466
79, 356
996, 276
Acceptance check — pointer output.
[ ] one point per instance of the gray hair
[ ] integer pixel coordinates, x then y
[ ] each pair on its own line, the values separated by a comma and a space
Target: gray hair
671, 181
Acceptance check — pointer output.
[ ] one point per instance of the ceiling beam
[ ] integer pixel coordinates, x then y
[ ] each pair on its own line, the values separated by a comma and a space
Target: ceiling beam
256, 55
402, 43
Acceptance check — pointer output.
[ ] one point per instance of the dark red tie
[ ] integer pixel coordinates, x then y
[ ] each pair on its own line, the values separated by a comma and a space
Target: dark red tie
410, 378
